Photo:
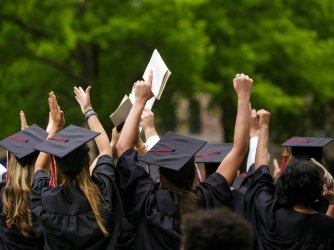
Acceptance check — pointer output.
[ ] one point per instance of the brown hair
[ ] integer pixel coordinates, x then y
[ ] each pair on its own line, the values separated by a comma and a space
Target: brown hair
188, 200
90, 190
16, 197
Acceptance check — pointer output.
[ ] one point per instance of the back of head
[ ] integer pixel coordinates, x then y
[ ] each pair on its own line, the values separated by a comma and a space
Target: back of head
299, 183
216, 229
181, 183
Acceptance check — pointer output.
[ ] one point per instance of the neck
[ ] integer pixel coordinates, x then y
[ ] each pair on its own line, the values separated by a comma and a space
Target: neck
303, 209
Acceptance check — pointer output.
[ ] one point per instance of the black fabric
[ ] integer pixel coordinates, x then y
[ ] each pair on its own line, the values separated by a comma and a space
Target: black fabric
65, 213
280, 228
173, 151
213, 153
155, 213
66, 141
12, 239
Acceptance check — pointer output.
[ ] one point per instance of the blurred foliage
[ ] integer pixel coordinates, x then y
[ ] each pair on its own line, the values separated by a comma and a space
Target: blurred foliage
285, 45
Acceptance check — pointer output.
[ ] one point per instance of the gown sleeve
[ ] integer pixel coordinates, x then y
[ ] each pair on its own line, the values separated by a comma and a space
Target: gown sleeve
214, 192
104, 176
135, 183
40, 184
259, 198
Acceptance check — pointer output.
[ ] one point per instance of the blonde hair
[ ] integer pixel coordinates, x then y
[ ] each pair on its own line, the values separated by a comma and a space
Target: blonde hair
91, 191
16, 197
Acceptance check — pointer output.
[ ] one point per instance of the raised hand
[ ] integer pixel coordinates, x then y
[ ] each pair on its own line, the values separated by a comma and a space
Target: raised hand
114, 138
83, 98
264, 118
57, 115
254, 129
23, 120
143, 89
147, 119
277, 169
50, 123
328, 193
242, 85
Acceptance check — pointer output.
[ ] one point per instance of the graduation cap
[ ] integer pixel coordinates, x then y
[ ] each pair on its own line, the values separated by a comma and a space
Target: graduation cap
307, 147
69, 148
22, 143
212, 155
174, 154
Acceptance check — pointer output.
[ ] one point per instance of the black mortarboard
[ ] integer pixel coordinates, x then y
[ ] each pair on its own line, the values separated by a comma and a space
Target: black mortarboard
307, 147
174, 154
69, 148
213, 153
22, 143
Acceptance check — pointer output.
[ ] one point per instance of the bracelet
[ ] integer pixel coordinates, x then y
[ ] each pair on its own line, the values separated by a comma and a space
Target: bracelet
87, 116
87, 110
139, 149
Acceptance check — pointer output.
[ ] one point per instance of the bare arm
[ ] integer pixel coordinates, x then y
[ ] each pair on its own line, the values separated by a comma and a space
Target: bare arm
102, 141
129, 132
230, 165
43, 160
261, 157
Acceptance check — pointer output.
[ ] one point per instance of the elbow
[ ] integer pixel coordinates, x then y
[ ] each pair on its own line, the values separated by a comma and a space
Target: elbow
120, 148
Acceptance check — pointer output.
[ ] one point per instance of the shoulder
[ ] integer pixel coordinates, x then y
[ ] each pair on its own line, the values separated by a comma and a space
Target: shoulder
104, 164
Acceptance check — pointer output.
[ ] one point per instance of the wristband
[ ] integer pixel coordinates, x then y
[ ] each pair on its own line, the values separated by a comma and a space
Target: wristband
139, 149
87, 116
88, 110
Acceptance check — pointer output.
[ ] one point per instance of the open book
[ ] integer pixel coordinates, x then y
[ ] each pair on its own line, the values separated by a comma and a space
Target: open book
160, 74
121, 113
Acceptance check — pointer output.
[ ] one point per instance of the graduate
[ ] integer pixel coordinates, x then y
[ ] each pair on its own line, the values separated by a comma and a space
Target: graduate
16, 230
157, 210
76, 213
284, 218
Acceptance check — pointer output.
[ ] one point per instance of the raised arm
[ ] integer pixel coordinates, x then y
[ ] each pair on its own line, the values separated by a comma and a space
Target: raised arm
102, 141
58, 120
232, 162
261, 157
254, 132
129, 132
148, 126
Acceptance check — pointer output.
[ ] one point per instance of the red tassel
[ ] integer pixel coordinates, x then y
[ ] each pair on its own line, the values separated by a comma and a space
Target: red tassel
52, 182
17, 138
285, 158
164, 150
208, 154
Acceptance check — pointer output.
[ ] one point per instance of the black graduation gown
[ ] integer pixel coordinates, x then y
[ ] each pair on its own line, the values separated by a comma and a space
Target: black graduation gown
65, 213
154, 212
280, 228
11, 238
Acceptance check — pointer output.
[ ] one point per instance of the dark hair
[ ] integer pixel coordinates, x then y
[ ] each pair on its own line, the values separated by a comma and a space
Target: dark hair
214, 229
299, 183
181, 183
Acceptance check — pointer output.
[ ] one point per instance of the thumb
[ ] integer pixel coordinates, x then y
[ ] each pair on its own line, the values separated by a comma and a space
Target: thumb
150, 78
62, 116
88, 90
